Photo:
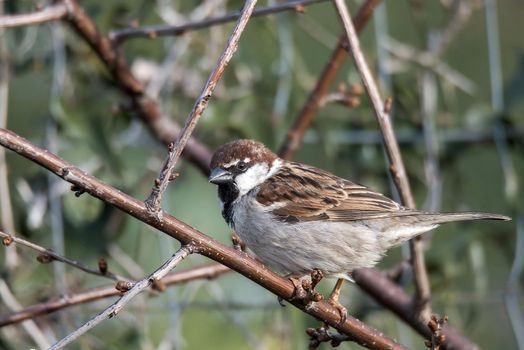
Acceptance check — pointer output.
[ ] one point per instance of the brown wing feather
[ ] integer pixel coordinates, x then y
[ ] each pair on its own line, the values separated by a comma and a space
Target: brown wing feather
308, 193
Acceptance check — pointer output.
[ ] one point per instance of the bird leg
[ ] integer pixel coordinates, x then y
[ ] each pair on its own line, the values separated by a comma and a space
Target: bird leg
333, 300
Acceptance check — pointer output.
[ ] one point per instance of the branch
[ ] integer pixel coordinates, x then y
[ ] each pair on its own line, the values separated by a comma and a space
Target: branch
371, 281
429, 60
29, 326
49, 13
165, 130
149, 111
394, 298
204, 245
94, 294
397, 168
114, 309
155, 198
48, 255
295, 134
151, 32
6, 208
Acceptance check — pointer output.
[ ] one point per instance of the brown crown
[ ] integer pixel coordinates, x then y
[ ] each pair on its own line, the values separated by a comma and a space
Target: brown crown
241, 149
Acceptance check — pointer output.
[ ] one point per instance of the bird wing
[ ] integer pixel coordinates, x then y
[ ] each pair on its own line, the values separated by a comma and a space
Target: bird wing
299, 192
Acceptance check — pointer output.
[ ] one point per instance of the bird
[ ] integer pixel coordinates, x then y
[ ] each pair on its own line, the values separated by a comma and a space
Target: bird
298, 219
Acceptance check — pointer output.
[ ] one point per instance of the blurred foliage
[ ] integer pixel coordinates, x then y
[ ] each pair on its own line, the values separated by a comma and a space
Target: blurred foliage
468, 263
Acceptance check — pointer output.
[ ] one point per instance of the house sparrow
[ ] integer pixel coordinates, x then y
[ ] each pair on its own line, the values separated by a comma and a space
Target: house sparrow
297, 218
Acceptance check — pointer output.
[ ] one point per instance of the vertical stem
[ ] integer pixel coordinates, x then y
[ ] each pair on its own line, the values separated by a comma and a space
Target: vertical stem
392, 149
6, 210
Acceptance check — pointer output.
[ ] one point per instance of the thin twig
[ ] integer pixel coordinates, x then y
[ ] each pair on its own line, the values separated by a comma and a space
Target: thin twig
170, 70
90, 35
94, 294
52, 140
513, 289
430, 61
462, 13
49, 13
429, 96
120, 35
130, 266
396, 164
511, 178
30, 326
307, 114
163, 128
115, 308
49, 255
204, 245
448, 136
154, 201
285, 69
370, 280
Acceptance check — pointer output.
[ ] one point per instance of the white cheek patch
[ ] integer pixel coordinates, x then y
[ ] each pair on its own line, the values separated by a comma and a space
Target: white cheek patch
255, 175
252, 177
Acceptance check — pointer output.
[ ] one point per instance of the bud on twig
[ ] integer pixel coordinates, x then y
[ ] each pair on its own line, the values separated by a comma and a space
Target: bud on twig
102, 266
124, 286
44, 258
7, 240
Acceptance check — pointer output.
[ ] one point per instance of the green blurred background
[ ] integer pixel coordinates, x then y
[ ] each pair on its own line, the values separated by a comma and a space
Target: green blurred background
462, 150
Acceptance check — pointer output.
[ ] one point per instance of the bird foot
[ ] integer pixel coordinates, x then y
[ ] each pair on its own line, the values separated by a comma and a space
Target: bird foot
333, 300
343, 312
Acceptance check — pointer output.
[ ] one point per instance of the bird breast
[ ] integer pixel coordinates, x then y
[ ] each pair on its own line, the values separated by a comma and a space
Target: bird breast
336, 248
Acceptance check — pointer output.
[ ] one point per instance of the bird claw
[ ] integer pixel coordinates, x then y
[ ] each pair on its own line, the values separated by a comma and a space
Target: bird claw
343, 312
333, 300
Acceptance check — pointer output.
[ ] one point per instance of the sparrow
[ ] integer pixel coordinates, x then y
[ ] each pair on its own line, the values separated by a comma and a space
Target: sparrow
297, 218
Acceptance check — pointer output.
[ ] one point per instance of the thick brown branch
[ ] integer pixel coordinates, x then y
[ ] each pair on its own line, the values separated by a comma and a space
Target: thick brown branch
204, 245
151, 32
163, 128
397, 168
153, 202
50, 13
306, 116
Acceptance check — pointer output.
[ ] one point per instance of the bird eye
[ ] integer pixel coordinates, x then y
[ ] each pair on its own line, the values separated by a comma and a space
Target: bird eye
241, 165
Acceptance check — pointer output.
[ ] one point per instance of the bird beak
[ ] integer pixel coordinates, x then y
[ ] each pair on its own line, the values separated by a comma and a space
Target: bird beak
220, 176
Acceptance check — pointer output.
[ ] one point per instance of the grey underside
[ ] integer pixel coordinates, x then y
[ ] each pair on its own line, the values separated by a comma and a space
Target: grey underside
335, 247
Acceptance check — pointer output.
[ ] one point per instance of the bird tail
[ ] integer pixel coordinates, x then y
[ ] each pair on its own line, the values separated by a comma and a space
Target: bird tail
417, 223
440, 218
